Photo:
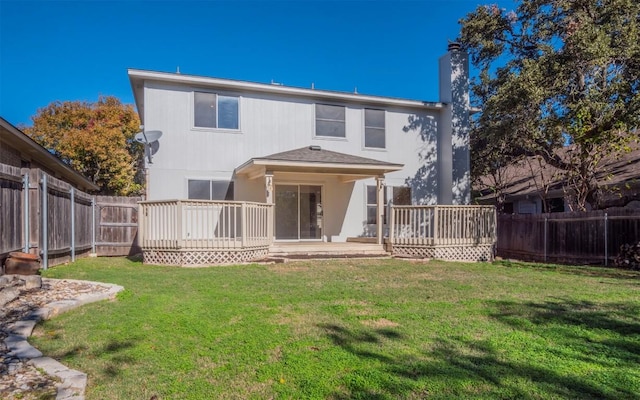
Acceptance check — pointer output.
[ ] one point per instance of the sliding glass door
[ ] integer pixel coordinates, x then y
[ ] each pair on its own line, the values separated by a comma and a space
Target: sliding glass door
298, 212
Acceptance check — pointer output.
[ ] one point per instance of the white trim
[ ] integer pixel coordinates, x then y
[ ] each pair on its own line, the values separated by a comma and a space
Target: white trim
315, 123
192, 80
364, 130
372, 167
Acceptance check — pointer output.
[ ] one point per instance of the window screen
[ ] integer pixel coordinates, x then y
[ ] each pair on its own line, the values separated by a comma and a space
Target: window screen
210, 190
204, 110
330, 120
402, 196
374, 134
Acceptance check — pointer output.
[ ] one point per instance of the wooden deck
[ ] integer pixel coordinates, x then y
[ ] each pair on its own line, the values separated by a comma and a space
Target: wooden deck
198, 232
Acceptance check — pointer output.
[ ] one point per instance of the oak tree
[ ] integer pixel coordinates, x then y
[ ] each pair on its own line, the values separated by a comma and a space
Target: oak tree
555, 73
96, 139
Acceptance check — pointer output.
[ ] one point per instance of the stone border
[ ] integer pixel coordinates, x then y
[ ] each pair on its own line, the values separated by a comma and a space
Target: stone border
73, 383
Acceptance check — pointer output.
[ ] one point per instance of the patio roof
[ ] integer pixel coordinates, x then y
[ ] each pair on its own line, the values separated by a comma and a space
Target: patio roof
314, 159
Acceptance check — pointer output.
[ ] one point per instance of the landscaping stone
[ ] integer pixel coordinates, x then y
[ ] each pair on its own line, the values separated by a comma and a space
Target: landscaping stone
8, 295
32, 282
21, 364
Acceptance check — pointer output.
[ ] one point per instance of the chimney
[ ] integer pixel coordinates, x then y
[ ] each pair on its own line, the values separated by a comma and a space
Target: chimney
454, 180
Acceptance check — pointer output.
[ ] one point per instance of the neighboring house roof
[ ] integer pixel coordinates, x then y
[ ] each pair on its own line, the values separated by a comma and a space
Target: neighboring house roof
528, 176
138, 77
317, 160
17, 139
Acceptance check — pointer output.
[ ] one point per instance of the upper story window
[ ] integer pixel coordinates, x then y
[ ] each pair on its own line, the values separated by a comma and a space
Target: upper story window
212, 110
374, 136
330, 121
210, 190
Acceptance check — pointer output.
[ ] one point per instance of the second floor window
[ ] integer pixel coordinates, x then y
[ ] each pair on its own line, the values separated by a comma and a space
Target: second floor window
374, 129
330, 121
212, 110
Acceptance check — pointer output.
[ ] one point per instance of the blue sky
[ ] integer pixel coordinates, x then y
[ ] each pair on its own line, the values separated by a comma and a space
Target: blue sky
64, 50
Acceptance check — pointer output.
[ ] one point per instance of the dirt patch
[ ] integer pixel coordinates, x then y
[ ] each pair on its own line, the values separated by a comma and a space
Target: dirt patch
380, 323
281, 268
275, 355
426, 276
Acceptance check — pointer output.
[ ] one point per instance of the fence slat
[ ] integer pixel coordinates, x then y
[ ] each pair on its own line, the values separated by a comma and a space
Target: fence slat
592, 237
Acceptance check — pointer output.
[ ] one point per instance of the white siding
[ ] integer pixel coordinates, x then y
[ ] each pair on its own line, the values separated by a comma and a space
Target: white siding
272, 124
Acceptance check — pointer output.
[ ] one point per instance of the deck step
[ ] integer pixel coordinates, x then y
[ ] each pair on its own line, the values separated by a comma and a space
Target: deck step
326, 250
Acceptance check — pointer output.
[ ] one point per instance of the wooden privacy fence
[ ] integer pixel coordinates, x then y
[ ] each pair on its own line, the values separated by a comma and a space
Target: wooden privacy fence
592, 237
201, 232
447, 232
46, 216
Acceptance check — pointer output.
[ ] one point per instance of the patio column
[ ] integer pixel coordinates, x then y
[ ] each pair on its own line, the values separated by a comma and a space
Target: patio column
268, 187
380, 207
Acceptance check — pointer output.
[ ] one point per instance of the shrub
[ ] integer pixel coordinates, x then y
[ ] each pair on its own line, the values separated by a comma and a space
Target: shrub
629, 256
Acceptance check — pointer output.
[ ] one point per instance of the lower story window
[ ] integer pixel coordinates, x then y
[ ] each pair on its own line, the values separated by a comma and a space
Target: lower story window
372, 205
401, 195
210, 190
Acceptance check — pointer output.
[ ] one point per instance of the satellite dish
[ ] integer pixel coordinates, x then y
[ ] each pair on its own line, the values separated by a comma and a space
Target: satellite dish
148, 136
139, 137
154, 147
150, 141
152, 136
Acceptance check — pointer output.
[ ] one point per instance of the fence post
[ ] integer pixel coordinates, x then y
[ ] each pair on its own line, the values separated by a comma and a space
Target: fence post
546, 224
606, 240
72, 194
93, 225
25, 213
45, 230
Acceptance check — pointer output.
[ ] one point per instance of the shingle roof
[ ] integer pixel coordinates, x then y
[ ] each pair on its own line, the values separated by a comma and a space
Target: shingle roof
526, 176
315, 154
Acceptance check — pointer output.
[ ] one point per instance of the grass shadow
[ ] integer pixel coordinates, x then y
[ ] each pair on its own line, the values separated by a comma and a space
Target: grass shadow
576, 322
462, 367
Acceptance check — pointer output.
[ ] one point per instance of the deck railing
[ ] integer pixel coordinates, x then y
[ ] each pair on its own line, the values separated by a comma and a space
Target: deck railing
442, 225
202, 224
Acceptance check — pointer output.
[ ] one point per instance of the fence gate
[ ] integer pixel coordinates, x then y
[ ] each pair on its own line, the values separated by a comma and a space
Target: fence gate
116, 221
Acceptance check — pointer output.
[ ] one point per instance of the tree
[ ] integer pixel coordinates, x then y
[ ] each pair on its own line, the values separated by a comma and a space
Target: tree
554, 73
96, 139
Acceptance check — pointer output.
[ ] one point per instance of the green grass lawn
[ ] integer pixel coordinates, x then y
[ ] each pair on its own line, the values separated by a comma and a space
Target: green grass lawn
353, 329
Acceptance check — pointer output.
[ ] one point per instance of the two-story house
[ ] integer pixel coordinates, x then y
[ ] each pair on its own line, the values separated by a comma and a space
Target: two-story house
330, 162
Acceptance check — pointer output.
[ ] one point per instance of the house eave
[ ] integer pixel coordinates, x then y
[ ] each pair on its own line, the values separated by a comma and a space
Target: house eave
34, 151
137, 78
256, 167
